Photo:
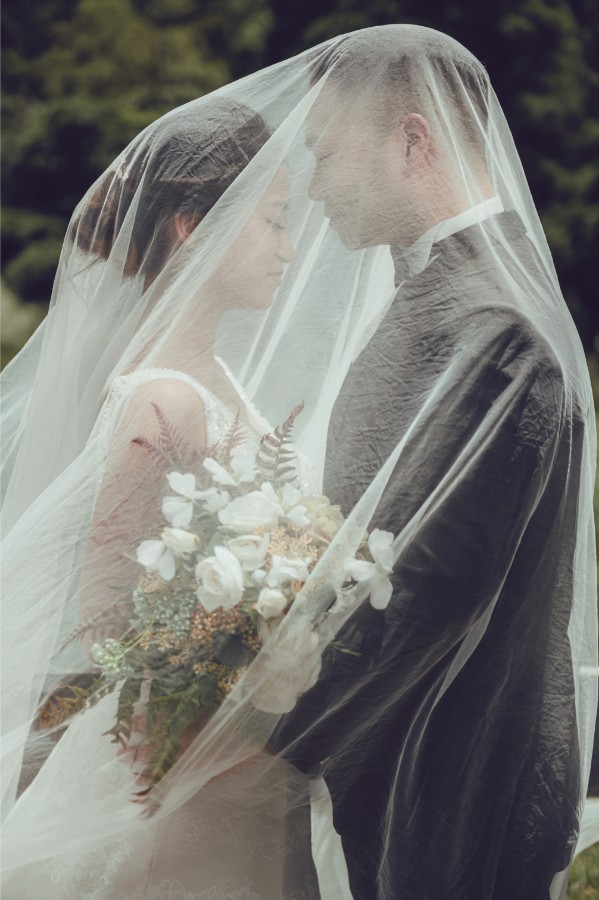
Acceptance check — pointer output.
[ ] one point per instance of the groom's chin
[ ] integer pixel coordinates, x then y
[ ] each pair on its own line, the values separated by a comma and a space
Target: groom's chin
350, 241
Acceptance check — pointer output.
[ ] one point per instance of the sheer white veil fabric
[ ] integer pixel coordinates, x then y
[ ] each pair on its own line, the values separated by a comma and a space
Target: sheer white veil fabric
265, 227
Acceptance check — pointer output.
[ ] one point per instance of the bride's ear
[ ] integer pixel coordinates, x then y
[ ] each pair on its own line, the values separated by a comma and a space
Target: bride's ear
184, 225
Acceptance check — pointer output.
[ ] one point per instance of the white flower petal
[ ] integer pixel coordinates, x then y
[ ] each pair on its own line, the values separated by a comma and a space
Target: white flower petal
177, 510
290, 496
360, 570
149, 554
259, 576
269, 492
218, 501
243, 463
297, 516
182, 484
219, 474
379, 541
384, 560
209, 601
381, 594
167, 566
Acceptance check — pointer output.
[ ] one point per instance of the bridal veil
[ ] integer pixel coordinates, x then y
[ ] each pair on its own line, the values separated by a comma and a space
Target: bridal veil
272, 253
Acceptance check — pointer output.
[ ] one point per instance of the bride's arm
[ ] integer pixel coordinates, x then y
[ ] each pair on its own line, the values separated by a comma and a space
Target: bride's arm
128, 505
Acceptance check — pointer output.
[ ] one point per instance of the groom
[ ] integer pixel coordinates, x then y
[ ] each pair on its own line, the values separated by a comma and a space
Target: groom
444, 785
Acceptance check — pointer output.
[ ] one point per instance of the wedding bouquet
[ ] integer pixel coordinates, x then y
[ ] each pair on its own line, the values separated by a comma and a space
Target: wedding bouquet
239, 543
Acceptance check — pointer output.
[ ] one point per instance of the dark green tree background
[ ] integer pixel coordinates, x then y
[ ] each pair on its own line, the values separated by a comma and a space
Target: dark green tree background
82, 77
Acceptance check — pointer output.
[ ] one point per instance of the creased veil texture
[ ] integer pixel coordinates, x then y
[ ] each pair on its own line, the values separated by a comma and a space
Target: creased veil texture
344, 242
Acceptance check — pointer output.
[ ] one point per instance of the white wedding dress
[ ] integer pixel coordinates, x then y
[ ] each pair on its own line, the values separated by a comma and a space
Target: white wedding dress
206, 849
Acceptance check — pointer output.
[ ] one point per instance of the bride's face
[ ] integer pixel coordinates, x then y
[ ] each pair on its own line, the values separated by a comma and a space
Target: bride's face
258, 256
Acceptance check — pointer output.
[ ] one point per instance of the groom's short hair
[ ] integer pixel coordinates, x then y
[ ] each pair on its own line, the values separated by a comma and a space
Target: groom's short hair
397, 73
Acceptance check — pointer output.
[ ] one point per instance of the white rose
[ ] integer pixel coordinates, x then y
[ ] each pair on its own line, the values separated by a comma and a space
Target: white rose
271, 603
283, 570
250, 550
179, 541
222, 580
255, 511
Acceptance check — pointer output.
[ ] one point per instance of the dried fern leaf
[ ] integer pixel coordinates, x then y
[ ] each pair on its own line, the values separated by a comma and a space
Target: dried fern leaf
171, 440
276, 455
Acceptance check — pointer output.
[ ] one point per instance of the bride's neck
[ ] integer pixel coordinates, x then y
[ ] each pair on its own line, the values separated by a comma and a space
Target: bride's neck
188, 342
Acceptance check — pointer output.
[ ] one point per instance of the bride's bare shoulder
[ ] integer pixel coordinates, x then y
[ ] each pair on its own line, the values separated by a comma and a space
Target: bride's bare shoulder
165, 398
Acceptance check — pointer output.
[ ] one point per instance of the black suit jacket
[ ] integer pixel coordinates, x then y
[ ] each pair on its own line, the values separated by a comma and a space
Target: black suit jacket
467, 791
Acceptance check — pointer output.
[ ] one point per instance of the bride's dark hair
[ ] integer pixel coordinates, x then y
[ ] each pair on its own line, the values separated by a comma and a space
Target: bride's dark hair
185, 168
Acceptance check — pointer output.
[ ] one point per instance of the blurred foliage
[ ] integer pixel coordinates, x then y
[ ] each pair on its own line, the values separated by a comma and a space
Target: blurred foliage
584, 876
82, 77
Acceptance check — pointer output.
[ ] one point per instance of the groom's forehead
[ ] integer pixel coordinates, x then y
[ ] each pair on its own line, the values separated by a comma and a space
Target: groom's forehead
337, 113
330, 113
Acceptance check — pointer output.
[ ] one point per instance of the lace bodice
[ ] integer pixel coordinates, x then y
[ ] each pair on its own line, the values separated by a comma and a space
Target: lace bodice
218, 415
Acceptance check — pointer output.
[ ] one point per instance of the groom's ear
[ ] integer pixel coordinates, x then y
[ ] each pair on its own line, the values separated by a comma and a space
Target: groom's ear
416, 133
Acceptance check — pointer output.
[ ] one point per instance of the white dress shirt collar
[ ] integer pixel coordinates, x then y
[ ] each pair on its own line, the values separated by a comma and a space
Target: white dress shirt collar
416, 257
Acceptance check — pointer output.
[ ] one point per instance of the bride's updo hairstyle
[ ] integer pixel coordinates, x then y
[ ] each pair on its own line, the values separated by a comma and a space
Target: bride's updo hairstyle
186, 168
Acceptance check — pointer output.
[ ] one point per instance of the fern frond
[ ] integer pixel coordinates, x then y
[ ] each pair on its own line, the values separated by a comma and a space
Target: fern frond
171, 440
154, 451
234, 437
128, 697
276, 455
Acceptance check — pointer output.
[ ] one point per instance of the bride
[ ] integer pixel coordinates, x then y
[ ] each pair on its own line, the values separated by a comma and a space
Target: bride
152, 203
298, 563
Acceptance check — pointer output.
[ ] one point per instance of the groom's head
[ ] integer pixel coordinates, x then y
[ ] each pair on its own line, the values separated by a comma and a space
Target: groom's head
398, 132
